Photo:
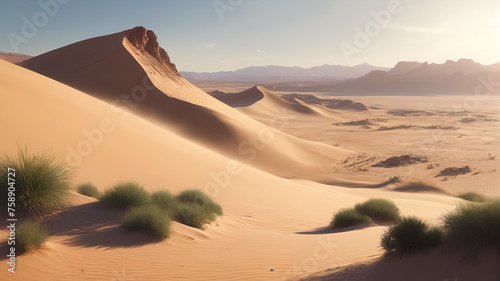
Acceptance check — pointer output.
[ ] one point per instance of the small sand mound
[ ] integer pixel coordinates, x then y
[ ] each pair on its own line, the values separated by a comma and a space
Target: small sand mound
409, 113
432, 127
419, 187
454, 171
363, 122
468, 120
403, 160
328, 103
384, 128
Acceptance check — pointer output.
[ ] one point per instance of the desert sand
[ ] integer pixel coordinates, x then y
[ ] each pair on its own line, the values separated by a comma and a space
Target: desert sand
279, 166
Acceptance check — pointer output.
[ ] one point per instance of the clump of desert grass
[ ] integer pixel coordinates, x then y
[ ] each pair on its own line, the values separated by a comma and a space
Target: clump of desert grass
471, 227
196, 209
150, 218
126, 195
41, 182
153, 213
88, 189
30, 235
474, 226
409, 236
379, 210
349, 217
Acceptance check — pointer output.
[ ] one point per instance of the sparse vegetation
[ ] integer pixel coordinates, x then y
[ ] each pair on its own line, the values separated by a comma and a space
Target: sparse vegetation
166, 201
196, 209
126, 195
150, 219
41, 181
30, 235
473, 196
88, 189
409, 236
349, 217
474, 226
380, 210
198, 198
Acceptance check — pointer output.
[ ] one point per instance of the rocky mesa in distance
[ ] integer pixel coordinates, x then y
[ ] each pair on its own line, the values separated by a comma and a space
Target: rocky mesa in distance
460, 77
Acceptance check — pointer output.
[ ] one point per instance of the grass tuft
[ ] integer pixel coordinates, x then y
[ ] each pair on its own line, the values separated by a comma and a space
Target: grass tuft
166, 201
126, 195
150, 219
349, 217
41, 182
474, 226
409, 236
379, 210
196, 209
88, 189
199, 199
30, 235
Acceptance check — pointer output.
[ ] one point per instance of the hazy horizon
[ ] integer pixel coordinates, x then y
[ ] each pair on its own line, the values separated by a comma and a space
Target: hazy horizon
222, 35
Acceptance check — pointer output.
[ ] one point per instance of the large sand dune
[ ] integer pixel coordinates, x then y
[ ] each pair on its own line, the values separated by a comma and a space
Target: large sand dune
120, 68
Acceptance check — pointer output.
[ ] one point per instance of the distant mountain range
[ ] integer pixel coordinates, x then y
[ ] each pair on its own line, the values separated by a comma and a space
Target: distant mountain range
406, 78
284, 73
13, 57
414, 78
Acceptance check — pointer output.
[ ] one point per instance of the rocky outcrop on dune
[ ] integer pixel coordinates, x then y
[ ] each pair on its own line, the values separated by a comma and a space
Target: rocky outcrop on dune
146, 40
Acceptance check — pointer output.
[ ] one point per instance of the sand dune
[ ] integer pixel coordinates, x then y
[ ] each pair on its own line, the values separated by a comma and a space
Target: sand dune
259, 102
120, 68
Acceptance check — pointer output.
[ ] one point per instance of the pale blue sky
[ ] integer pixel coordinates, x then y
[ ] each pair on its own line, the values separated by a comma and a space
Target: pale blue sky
263, 32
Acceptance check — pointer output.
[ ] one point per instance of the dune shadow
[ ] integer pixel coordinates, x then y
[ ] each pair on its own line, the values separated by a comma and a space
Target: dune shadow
94, 225
329, 230
89, 225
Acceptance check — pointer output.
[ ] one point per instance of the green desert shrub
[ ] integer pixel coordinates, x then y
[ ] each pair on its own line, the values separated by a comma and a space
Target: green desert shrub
381, 210
150, 219
166, 201
196, 209
41, 182
198, 198
194, 216
410, 235
88, 189
126, 195
474, 226
30, 235
349, 217
473, 196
